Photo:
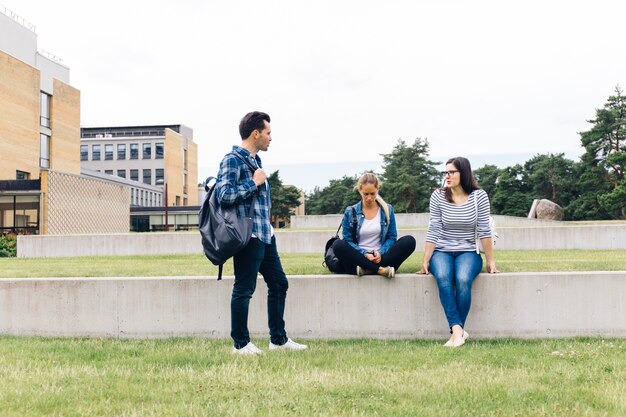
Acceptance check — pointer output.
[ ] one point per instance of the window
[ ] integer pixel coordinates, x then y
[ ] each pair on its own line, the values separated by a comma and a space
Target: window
159, 175
134, 174
159, 150
147, 176
147, 151
134, 151
84, 152
44, 151
108, 152
185, 159
44, 109
95, 152
108, 171
21, 175
121, 173
121, 151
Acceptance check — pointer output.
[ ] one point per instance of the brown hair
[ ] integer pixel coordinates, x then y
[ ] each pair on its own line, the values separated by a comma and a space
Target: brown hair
468, 182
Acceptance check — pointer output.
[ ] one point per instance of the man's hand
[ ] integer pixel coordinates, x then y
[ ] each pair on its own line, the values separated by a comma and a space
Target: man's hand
259, 176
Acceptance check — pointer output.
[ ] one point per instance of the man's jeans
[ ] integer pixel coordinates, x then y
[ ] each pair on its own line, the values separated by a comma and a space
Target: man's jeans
455, 272
258, 257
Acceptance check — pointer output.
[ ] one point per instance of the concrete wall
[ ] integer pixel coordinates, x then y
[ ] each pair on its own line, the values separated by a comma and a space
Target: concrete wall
524, 305
609, 235
408, 220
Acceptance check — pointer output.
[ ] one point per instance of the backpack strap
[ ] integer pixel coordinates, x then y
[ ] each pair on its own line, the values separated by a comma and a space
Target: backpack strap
355, 222
476, 225
220, 268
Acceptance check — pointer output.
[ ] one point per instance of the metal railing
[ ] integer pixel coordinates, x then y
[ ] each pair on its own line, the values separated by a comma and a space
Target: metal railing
11, 14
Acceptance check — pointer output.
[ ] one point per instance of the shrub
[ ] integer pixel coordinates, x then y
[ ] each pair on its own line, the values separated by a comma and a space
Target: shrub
8, 246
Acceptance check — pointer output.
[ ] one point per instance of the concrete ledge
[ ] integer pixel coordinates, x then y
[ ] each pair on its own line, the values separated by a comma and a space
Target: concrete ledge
523, 305
605, 236
310, 221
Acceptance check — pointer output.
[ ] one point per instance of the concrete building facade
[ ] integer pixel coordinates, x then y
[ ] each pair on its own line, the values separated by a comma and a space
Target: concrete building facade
51, 181
159, 155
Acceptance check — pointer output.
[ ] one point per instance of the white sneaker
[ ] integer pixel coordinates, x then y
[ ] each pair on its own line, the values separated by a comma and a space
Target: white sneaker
249, 349
389, 272
360, 271
290, 345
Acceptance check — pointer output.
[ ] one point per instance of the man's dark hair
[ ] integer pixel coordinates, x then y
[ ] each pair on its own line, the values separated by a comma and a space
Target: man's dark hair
252, 121
468, 182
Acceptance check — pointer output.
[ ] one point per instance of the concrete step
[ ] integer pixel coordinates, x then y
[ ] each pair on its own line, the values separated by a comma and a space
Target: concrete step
521, 305
599, 235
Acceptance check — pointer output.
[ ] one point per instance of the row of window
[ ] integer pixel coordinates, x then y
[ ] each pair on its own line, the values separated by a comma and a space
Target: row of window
146, 178
145, 198
96, 155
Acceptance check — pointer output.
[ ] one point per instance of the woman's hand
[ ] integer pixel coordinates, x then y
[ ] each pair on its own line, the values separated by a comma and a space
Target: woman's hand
374, 256
491, 267
425, 268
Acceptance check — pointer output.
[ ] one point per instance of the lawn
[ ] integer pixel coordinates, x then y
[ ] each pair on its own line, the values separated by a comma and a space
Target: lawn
294, 264
200, 377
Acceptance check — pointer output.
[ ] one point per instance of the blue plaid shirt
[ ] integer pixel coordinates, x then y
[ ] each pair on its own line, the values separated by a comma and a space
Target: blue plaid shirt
235, 186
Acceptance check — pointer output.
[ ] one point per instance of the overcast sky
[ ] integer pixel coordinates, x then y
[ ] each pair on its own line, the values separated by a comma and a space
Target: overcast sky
343, 80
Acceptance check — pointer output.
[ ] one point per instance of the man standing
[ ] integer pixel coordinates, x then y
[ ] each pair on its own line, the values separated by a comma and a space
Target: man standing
242, 182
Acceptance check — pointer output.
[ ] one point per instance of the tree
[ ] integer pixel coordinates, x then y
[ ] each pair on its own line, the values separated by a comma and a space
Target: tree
551, 177
285, 198
511, 196
334, 198
603, 163
487, 176
409, 177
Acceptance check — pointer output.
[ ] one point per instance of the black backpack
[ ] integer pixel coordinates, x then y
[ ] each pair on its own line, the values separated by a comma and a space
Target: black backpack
330, 259
223, 231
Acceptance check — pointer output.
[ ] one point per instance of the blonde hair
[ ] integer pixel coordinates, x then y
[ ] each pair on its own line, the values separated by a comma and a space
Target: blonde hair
371, 178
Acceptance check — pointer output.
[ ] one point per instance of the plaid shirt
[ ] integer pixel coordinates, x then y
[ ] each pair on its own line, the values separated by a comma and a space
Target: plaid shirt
235, 186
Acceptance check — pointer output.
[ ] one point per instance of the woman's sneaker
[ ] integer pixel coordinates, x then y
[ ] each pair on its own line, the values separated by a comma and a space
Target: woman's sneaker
360, 271
388, 272
249, 349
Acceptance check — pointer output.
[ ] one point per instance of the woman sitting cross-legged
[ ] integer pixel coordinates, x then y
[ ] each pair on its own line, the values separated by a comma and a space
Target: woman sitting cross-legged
370, 244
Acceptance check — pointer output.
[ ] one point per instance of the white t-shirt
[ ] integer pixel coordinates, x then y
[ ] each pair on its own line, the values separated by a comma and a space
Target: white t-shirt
369, 235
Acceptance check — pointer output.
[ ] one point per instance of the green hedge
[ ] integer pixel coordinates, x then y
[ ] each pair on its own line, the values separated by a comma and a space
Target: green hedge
8, 246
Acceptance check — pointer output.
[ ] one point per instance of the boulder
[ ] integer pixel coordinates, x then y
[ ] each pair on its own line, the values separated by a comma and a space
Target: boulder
548, 210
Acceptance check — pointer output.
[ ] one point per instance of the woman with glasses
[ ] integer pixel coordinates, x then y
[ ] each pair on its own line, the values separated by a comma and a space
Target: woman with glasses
459, 213
370, 244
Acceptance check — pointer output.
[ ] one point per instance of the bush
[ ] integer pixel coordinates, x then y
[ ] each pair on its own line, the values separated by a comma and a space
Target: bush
8, 246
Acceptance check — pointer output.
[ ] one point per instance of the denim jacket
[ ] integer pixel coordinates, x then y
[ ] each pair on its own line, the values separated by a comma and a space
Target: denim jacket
388, 233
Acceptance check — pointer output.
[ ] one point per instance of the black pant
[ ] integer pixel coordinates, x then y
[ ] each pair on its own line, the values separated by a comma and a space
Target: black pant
254, 258
349, 257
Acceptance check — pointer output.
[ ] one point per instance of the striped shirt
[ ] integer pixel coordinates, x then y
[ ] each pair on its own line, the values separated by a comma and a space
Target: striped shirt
235, 186
452, 228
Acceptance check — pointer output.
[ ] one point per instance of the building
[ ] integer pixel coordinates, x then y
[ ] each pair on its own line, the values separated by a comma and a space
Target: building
163, 156
41, 187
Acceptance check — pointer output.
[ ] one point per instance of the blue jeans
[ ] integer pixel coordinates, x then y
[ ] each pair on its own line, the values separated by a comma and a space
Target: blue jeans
254, 258
455, 272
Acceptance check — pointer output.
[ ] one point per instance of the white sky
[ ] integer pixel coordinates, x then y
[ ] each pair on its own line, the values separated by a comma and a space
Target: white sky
342, 79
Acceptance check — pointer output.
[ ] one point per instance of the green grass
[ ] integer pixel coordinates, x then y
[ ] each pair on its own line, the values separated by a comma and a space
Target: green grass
200, 377
294, 264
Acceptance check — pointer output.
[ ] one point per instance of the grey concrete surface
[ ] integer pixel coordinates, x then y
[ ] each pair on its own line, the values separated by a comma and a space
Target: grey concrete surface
409, 220
521, 305
609, 235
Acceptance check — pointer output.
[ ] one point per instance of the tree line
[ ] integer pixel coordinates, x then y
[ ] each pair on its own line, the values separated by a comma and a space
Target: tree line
593, 188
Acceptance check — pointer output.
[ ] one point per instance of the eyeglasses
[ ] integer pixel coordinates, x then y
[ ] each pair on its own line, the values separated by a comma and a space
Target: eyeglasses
450, 173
